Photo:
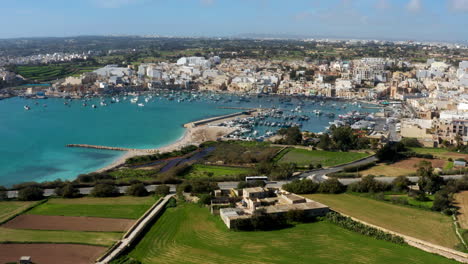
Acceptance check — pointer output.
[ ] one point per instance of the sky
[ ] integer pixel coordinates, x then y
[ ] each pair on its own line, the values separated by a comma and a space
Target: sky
442, 20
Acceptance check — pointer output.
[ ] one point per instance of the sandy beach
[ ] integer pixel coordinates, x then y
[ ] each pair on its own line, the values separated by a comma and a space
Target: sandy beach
192, 136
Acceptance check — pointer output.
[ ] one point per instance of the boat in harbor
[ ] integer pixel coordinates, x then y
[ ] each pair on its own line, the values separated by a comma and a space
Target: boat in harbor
141, 105
27, 108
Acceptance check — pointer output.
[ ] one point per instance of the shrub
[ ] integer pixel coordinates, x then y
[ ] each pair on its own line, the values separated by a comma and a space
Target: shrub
3, 194
331, 186
411, 142
363, 229
301, 186
137, 189
401, 184
204, 198
244, 184
359, 167
104, 190
31, 193
162, 190
171, 203
68, 191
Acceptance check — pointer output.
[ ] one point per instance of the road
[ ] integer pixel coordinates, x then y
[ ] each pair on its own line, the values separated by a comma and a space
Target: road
318, 175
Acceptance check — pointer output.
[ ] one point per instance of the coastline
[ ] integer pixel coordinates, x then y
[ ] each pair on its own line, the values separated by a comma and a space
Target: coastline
192, 136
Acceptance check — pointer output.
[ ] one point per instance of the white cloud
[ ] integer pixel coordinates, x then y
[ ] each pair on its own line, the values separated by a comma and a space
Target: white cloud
458, 5
414, 5
113, 3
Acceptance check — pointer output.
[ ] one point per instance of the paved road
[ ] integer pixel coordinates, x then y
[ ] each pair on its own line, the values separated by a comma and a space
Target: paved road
318, 175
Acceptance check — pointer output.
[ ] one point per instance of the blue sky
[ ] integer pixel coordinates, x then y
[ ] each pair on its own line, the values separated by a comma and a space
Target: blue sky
380, 19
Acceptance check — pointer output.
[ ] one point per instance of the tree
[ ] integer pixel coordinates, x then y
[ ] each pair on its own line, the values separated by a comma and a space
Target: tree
283, 171
292, 135
390, 152
344, 138
3, 193
442, 201
401, 184
67, 191
428, 181
137, 189
325, 142
162, 190
411, 142
331, 186
31, 193
104, 190
204, 198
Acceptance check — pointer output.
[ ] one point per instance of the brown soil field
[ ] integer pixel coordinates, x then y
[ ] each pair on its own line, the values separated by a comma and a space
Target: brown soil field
461, 200
73, 223
412, 163
51, 253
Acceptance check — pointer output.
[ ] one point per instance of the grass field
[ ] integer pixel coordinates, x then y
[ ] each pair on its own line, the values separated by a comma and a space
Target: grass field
422, 224
304, 157
387, 170
52, 72
190, 234
414, 202
9, 209
31, 236
118, 207
203, 171
461, 201
440, 152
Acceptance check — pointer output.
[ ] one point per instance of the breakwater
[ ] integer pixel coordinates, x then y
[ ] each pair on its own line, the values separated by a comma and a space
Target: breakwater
217, 118
110, 148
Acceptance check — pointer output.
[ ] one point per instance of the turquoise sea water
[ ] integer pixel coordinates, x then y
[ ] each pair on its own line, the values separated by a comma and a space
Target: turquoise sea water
32, 143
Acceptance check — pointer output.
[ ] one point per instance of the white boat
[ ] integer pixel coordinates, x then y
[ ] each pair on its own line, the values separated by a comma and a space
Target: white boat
141, 105
103, 104
94, 106
26, 107
134, 100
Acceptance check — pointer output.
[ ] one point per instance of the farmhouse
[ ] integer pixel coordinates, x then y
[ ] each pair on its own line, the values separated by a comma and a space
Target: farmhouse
269, 201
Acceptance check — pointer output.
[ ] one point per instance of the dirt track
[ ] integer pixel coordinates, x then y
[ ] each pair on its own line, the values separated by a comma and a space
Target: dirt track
73, 223
51, 253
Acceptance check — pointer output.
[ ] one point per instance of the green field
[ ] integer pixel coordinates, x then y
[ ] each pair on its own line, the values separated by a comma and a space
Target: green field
440, 153
414, 202
36, 236
303, 157
44, 73
118, 207
422, 224
190, 234
9, 209
204, 171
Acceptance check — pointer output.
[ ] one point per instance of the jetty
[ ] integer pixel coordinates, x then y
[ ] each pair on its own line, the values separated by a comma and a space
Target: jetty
219, 118
111, 148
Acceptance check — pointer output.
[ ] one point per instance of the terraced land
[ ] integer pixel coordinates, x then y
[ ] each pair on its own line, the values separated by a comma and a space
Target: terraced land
9, 209
422, 224
118, 207
190, 234
44, 73
8, 235
303, 157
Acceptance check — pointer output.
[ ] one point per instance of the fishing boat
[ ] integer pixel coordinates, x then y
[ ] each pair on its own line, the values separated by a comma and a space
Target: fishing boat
141, 105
